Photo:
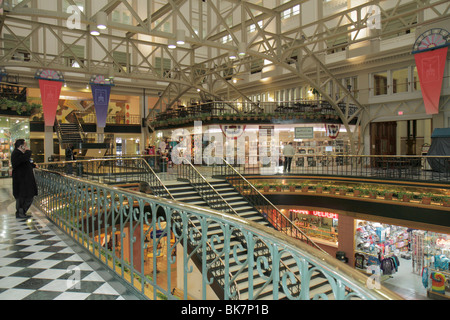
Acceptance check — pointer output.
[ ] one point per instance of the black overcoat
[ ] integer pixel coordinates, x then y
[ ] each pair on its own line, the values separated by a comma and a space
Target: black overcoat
24, 184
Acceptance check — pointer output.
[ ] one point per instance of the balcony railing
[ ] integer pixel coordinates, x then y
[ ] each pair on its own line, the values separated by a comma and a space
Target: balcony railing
234, 111
126, 230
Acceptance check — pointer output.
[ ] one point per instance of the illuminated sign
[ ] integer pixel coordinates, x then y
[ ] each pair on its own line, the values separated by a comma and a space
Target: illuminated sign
316, 213
443, 242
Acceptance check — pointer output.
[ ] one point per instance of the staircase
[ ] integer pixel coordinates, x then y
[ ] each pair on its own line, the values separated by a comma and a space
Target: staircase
238, 203
185, 192
262, 284
69, 133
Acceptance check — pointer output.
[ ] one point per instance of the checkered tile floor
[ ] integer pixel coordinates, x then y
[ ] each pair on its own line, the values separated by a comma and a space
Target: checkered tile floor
37, 264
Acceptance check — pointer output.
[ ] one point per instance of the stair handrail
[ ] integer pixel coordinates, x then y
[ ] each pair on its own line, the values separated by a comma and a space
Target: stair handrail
262, 244
303, 237
191, 224
80, 127
58, 131
203, 179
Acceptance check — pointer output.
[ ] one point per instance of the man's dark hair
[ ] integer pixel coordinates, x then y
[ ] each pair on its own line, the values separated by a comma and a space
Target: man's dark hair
18, 143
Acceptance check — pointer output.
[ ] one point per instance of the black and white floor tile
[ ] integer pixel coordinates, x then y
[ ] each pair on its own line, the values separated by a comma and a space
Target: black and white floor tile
37, 264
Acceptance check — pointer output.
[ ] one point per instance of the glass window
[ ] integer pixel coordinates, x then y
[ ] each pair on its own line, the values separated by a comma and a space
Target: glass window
380, 83
400, 80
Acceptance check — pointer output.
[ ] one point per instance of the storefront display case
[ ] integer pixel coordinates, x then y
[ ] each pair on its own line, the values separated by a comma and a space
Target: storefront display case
316, 224
435, 258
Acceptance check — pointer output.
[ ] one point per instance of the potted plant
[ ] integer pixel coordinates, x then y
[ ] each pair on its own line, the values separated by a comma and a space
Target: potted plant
279, 187
332, 189
387, 194
446, 201
291, 186
257, 185
304, 186
266, 186
319, 188
372, 193
357, 191
404, 196
426, 198
343, 191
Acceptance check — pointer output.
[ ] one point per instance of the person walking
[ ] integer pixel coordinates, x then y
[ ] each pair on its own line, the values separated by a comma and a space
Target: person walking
288, 153
24, 184
69, 157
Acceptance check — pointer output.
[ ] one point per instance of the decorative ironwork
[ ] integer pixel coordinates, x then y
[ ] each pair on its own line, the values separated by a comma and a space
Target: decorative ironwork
123, 228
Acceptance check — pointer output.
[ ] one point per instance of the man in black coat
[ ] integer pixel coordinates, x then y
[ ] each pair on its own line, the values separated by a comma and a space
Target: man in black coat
24, 184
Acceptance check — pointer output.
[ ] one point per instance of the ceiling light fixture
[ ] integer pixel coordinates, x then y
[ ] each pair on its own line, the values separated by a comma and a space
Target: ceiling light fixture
94, 31
241, 49
181, 37
101, 19
171, 44
232, 55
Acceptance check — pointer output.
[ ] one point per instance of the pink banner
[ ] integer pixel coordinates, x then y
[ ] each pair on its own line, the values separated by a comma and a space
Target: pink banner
430, 67
50, 91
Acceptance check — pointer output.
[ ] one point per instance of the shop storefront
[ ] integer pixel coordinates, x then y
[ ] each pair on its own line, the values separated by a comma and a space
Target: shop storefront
404, 257
316, 224
431, 258
11, 129
247, 143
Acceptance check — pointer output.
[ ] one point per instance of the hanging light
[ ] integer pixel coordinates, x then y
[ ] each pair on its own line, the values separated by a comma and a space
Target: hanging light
232, 55
94, 31
181, 37
241, 49
101, 20
171, 44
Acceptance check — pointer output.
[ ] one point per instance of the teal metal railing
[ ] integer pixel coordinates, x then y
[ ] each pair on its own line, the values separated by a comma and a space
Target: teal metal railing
145, 238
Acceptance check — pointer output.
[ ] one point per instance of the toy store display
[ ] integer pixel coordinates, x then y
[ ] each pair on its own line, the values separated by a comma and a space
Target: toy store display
436, 263
381, 245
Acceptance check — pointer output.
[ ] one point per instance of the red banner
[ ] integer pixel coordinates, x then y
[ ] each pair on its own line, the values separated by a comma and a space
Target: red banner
430, 67
50, 91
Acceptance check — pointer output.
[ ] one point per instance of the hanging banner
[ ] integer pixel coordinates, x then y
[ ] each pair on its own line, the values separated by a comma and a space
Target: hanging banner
101, 91
101, 94
50, 83
430, 53
430, 68
50, 91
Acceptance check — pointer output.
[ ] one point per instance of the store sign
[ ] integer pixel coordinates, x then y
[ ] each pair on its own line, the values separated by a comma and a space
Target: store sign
316, 213
304, 133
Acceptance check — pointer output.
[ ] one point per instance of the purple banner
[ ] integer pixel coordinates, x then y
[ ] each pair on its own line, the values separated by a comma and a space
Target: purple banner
101, 95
